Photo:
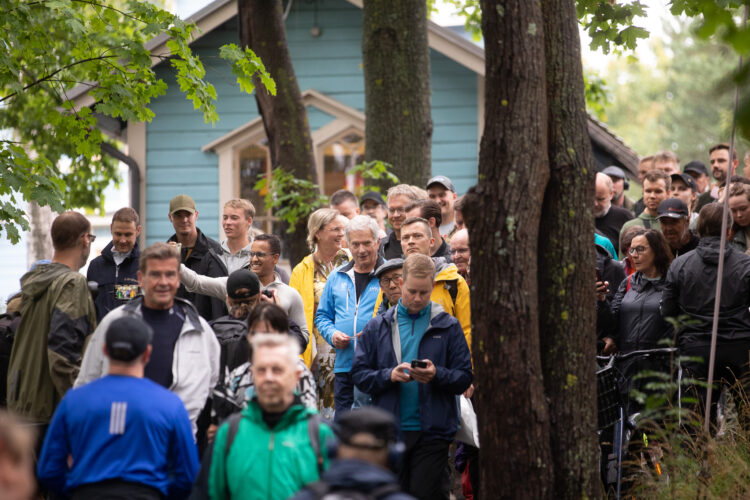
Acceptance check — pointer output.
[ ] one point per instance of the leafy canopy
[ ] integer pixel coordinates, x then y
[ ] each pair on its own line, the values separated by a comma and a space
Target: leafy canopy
51, 152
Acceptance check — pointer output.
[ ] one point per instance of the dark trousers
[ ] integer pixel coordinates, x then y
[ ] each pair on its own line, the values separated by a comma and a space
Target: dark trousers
343, 393
731, 368
425, 472
116, 489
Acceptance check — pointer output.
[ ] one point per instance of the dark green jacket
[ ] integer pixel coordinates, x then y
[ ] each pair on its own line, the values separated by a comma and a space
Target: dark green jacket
58, 315
266, 463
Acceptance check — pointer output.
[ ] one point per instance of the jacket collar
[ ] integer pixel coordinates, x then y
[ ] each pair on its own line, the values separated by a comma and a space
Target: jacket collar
191, 313
108, 255
349, 266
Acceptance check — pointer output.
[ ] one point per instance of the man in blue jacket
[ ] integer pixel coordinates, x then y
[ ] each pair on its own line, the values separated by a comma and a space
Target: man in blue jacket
348, 303
121, 436
413, 360
116, 269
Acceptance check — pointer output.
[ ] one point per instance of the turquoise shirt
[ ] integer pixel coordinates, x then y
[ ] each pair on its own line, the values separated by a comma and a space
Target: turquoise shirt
411, 328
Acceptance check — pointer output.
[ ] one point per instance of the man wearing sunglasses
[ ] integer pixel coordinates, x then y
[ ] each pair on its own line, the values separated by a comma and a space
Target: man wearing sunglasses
58, 315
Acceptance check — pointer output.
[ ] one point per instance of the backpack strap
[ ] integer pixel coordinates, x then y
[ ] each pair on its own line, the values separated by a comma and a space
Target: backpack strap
234, 425
313, 433
452, 286
646, 223
627, 287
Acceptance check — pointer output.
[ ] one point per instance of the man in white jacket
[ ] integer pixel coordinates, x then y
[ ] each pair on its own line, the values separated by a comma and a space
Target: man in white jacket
185, 357
264, 255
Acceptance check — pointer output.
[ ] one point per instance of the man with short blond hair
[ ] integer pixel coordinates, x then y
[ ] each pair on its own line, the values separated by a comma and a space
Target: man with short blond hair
414, 361
115, 271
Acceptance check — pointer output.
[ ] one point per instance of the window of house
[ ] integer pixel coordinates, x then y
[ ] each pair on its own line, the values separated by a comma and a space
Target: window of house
255, 164
339, 155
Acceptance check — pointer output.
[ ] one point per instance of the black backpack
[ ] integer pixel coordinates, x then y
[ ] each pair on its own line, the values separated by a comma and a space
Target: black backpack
230, 333
323, 491
9, 324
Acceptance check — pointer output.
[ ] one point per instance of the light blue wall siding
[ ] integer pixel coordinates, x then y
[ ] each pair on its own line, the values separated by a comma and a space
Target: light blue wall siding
331, 64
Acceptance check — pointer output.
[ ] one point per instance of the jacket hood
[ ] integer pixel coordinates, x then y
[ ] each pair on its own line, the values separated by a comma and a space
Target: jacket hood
445, 270
298, 411
37, 281
357, 475
708, 249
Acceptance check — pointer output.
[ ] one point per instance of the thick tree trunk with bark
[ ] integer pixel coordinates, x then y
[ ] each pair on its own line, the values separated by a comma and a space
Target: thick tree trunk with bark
261, 26
396, 62
566, 259
503, 220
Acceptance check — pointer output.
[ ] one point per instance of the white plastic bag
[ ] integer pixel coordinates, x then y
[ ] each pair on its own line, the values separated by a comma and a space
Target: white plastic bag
468, 432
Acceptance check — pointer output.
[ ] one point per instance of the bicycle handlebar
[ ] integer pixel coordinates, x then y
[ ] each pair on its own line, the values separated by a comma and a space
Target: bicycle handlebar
642, 352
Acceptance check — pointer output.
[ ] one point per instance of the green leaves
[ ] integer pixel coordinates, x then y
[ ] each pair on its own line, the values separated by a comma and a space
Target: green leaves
375, 173
289, 198
47, 48
245, 66
610, 24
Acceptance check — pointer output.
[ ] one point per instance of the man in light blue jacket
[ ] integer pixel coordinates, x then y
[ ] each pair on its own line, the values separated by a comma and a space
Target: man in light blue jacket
348, 302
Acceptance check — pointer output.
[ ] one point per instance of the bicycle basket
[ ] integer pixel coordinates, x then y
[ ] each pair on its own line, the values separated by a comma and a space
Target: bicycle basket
607, 395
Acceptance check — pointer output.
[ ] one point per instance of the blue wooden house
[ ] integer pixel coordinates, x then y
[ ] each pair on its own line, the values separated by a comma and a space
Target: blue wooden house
178, 153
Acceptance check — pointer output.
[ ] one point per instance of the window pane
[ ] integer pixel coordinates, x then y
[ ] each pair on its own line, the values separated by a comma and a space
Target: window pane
253, 167
338, 157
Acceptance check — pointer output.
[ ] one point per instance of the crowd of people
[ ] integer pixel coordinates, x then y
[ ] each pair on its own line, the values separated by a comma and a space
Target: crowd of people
663, 263
201, 369
204, 369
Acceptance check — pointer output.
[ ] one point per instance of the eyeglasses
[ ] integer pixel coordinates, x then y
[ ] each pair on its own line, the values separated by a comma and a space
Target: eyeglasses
387, 281
260, 255
637, 250
396, 210
92, 238
459, 250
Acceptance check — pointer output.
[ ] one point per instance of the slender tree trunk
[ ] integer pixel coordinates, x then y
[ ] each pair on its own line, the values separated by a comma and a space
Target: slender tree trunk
396, 61
39, 244
284, 115
503, 220
566, 259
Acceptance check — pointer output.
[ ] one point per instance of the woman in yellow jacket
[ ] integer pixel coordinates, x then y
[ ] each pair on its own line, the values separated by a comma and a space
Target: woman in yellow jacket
325, 236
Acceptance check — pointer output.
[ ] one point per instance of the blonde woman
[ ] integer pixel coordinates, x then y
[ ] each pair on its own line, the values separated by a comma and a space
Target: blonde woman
325, 237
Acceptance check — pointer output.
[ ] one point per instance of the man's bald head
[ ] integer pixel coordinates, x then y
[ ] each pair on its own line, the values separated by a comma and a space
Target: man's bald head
460, 251
603, 195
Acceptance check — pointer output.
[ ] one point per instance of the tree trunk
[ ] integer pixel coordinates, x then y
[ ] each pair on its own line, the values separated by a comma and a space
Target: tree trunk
503, 220
39, 244
566, 259
261, 26
396, 62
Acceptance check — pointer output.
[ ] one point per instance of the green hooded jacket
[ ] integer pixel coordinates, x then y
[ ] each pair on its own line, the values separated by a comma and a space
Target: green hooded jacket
264, 463
58, 315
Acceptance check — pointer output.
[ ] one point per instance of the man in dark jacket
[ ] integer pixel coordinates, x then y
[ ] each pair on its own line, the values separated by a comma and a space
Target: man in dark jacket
429, 210
691, 289
194, 245
115, 271
413, 360
674, 219
367, 448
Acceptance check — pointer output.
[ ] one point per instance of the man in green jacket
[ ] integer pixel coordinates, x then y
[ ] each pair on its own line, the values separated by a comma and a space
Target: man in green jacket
275, 447
58, 314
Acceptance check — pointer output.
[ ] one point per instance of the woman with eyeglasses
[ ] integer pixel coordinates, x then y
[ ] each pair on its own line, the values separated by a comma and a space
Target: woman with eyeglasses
325, 237
633, 320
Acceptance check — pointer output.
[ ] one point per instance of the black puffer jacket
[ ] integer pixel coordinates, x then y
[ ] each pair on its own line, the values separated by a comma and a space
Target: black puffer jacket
633, 319
691, 288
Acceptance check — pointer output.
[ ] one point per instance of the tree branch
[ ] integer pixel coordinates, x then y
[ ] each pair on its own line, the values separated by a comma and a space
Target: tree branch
47, 77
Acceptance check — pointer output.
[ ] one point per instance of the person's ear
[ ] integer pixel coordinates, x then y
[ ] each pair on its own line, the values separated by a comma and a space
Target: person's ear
138, 230
146, 356
139, 275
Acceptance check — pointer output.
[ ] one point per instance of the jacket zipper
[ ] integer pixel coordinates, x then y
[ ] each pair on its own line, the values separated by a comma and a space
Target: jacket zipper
270, 462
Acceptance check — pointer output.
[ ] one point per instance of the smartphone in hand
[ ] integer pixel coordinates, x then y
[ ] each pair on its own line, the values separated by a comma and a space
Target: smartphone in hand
415, 363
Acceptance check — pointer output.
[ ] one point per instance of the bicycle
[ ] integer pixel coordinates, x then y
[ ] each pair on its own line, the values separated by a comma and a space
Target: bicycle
618, 415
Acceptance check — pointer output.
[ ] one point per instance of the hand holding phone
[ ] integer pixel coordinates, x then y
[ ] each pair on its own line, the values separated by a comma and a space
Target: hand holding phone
415, 363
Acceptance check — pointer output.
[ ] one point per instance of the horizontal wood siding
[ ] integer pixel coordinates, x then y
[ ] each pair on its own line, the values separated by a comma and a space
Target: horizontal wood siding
330, 64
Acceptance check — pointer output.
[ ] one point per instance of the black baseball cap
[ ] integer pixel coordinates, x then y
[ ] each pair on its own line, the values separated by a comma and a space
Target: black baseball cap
674, 208
389, 265
370, 420
243, 284
443, 181
127, 338
689, 181
696, 166
372, 195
